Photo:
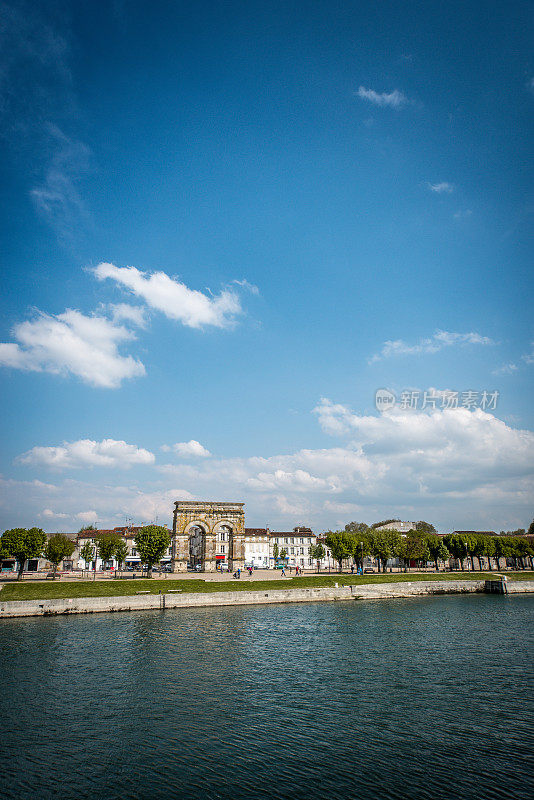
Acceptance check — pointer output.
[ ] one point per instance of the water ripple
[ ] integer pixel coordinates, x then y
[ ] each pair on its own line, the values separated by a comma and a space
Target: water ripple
423, 699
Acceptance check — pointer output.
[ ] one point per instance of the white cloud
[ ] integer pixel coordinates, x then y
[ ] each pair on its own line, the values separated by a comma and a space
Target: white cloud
436, 465
441, 188
85, 346
58, 198
123, 312
47, 512
455, 467
88, 453
191, 449
86, 516
80, 502
440, 449
511, 368
506, 369
431, 344
250, 287
173, 298
394, 99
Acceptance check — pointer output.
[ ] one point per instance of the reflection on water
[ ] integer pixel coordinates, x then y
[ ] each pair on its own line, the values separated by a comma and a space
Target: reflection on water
420, 698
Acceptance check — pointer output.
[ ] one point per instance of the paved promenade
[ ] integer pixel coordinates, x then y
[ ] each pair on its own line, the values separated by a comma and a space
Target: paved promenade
257, 575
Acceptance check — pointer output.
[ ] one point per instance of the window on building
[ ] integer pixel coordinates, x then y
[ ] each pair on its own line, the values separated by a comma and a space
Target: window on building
302, 551
310, 562
292, 551
222, 535
222, 548
134, 551
285, 540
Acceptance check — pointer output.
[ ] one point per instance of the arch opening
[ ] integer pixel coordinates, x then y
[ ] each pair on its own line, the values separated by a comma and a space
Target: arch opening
197, 548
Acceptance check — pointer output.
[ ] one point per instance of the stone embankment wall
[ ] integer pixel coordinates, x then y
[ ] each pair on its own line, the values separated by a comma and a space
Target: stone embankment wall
89, 605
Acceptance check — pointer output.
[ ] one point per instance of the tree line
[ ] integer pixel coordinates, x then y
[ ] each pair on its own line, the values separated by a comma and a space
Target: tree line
422, 545
22, 544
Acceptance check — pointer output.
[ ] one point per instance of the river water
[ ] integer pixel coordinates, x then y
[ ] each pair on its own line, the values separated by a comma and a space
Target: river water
419, 698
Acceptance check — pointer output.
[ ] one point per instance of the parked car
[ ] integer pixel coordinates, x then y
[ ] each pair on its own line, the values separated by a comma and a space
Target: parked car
368, 569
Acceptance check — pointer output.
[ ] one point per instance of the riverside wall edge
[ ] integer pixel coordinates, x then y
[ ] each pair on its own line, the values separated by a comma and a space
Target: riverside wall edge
90, 605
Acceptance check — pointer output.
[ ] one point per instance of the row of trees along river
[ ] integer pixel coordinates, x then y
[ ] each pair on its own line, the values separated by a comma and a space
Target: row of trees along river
22, 544
422, 544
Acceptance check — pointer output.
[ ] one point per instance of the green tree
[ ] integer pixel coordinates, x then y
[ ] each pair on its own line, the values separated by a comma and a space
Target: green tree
424, 527
317, 552
385, 544
87, 528
57, 548
478, 548
120, 553
438, 551
531, 528
397, 544
152, 542
356, 527
489, 549
362, 545
500, 548
523, 550
23, 544
341, 544
276, 552
87, 553
416, 546
283, 553
106, 546
456, 545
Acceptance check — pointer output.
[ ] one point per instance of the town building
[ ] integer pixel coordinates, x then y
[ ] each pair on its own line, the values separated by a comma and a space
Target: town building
257, 548
296, 545
396, 525
128, 533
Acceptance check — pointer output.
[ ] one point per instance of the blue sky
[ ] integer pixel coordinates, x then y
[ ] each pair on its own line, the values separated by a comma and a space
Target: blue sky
225, 226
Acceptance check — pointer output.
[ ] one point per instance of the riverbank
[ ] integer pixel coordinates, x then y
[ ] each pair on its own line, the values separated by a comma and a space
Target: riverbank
47, 590
215, 596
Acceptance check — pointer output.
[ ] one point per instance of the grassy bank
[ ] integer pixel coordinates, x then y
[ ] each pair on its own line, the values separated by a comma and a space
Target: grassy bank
114, 588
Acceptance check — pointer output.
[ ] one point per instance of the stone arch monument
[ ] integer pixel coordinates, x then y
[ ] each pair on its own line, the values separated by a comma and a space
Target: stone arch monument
195, 531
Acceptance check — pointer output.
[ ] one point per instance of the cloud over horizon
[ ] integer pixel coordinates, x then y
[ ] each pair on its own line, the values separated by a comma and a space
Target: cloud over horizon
453, 466
191, 449
87, 453
431, 344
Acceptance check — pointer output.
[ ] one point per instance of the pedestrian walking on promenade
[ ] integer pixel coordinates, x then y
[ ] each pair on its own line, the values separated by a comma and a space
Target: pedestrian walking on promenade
283, 572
